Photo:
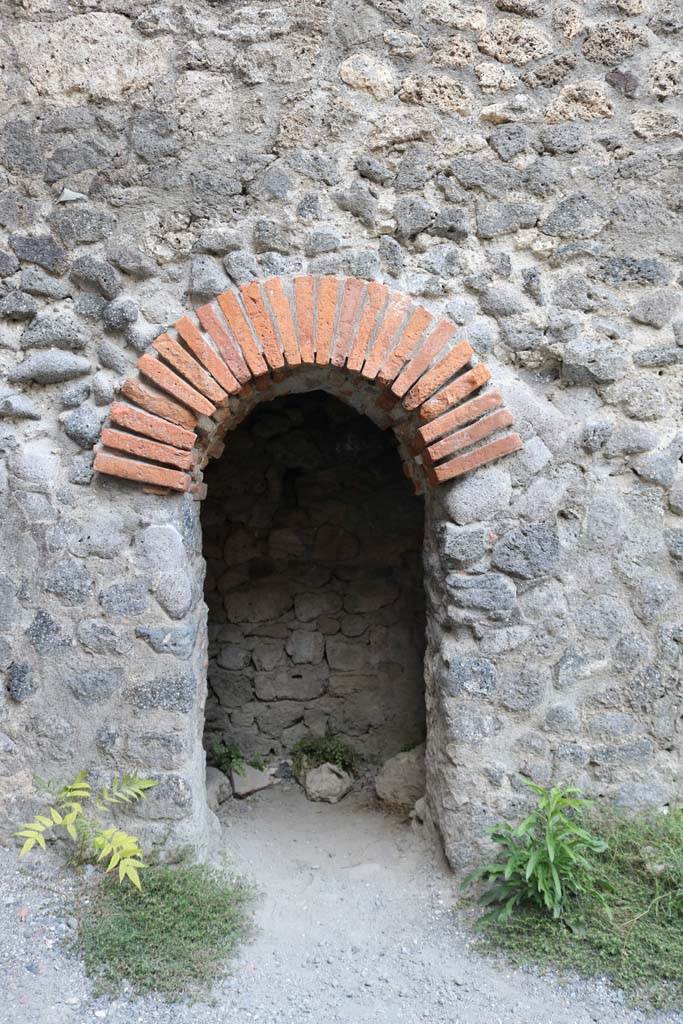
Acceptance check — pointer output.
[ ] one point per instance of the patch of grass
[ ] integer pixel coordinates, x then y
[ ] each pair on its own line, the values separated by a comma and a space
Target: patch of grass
174, 938
313, 751
627, 925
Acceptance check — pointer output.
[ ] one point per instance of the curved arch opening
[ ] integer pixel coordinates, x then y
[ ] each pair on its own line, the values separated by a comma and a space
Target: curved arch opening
313, 542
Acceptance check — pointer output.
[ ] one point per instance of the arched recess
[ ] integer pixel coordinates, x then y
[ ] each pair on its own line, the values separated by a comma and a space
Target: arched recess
374, 348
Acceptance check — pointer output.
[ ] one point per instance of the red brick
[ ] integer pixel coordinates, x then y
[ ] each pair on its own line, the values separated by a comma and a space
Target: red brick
455, 392
416, 366
284, 322
328, 288
158, 403
125, 415
233, 351
140, 472
393, 319
352, 300
169, 381
376, 301
465, 413
146, 449
453, 361
477, 457
393, 364
206, 355
191, 370
304, 296
464, 438
263, 328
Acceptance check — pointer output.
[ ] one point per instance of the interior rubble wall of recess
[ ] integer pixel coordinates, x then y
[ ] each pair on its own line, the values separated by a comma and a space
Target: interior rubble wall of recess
313, 542
510, 164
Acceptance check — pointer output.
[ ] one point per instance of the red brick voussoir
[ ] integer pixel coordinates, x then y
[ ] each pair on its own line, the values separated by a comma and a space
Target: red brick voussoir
201, 377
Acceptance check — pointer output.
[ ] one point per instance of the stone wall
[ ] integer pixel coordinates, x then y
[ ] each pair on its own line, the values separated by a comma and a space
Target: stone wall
313, 540
510, 164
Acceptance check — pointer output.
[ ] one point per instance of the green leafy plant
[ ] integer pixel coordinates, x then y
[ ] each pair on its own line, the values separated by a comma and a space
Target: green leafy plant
228, 758
93, 841
627, 924
313, 751
174, 937
544, 861
258, 762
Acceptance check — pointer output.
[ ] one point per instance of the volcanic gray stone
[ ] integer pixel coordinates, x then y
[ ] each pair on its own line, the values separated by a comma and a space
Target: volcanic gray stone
54, 329
124, 599
111, 357
171, 692
17, 306
75, 394
268, 236
207, 277
463, 673
241, 266
593, 361
70, 581
45, 634
20, 681
75, 224
328, 783
501, 301
491, 592
97, 274
83, 425
360, 201
19, 407
119, 313
656, 308
9, 264
51, 367
603, 617
131, 261
43, 250
451, 222
176, 640
370, 167
495, 219
99, 637
95, 685
576, 216
36, 282
461, 545
479, 496
529, 552
412, 215
658, 355
509, 140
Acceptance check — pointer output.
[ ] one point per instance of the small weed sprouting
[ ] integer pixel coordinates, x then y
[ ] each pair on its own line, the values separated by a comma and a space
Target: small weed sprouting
544, 861
92, 841
623, 919
258, 762
228, 758
174, 938
313, 751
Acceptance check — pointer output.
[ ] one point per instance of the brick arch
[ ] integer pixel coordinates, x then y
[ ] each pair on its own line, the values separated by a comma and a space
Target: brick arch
372, 347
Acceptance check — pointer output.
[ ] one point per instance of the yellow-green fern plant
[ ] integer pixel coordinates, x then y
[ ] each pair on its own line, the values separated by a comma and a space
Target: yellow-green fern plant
92, 839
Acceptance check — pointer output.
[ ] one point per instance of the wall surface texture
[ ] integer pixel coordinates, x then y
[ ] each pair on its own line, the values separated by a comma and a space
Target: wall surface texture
510, 164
